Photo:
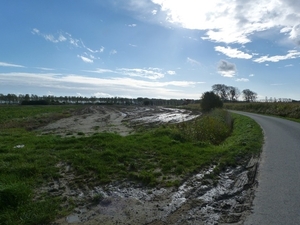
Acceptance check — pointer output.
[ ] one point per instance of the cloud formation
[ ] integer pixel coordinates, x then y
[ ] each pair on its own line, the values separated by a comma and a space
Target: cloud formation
59, 37
4, 64
242, 80
99, 70
292, 54
171, 72
193, 61
236, 21
85, 59
151, 73
233, 52
120, 86
64, 37
226, 69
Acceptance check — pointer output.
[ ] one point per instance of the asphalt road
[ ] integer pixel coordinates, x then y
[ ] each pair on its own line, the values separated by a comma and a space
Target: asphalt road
277, 198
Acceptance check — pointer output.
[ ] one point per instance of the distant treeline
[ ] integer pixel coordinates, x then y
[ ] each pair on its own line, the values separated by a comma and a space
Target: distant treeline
37, 102
59, 100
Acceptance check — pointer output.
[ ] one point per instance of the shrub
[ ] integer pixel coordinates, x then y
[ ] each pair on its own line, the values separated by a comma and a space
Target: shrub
210, 101
214, 127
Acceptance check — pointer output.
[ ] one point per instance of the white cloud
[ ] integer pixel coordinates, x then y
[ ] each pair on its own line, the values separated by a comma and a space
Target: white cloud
35, 31
62, 38
242, 80
50, 37
226, 69
85, 59
234, 21
151, 73
233, 52
154, 12
117, 86
99, 70
113, 52
193, 61
4, 64
171, 72
44, 68
132, 25
58, 37
292, 54
295, 33
251, 75
91, 50
289, 65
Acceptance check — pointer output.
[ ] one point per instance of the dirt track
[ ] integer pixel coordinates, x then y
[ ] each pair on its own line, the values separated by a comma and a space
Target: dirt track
197, 201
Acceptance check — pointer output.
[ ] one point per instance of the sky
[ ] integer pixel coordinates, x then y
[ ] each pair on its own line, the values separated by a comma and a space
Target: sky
171, 49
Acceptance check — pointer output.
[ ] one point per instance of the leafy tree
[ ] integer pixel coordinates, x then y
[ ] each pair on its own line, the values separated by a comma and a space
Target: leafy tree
249, 95
210, 101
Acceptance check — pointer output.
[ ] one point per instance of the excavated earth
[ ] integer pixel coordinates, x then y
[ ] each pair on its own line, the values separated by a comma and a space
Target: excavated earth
199, 200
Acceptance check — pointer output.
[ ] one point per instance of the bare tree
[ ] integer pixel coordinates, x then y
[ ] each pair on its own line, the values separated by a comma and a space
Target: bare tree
221, 90
233, 93
249, 95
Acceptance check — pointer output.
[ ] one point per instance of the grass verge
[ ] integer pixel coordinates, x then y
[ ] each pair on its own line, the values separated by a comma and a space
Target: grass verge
288, 110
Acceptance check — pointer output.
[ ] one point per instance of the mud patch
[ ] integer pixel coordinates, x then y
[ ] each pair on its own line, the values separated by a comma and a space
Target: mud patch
112, 119
199, 200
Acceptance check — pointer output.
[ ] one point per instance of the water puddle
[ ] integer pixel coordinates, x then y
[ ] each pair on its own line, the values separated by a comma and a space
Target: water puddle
167, 115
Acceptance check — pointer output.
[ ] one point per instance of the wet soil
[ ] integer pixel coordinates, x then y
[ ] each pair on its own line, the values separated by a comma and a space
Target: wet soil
200, 199
197, 201
121, 120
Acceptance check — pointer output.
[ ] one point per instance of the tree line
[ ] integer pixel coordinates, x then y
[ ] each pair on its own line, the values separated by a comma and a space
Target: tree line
221, 93
57, 100
229, 93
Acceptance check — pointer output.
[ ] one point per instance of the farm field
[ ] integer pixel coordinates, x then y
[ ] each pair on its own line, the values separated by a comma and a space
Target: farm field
114, 164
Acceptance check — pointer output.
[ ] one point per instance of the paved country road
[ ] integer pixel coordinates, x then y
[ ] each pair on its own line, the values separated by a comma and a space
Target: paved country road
277, 198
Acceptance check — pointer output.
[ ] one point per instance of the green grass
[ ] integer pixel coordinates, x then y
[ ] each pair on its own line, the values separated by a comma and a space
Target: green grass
162, 156
31, 117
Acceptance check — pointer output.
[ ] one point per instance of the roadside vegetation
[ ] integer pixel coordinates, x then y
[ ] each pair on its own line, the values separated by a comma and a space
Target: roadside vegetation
161, 156
290, 110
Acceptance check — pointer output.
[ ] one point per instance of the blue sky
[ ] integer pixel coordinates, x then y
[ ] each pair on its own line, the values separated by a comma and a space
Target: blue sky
149, 48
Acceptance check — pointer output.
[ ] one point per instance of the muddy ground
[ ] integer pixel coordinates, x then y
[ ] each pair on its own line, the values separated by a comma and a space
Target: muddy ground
121, 120
199, 200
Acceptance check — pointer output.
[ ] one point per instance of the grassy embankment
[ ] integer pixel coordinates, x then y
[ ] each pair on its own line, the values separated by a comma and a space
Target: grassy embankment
161, 156
289, 110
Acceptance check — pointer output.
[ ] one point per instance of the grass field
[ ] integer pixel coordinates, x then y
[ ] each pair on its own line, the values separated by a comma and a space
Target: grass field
162, 156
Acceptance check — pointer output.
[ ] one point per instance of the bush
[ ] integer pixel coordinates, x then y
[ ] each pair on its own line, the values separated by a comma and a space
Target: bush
210, 101
214, 127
